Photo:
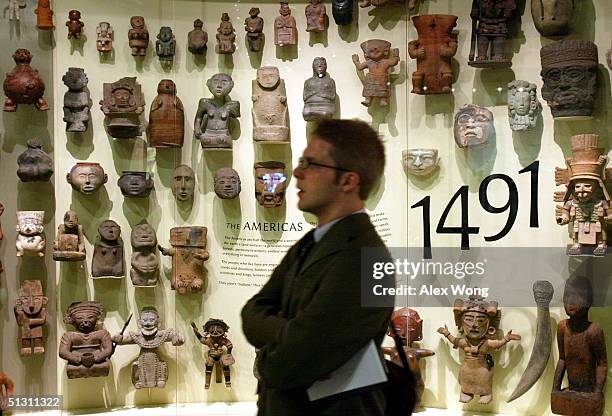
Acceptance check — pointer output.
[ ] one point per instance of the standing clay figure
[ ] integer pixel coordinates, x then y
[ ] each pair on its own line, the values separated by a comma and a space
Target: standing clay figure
523, 105
122, 105
270, 115
586, 202
44, 15
70, 242
378, 63
183, 183
23, 84
145, 264
490, 20
270, 180
31, 316
108, 252
552, 17
569, 71
319, 92
227, 183
166, 117
87, 349
188, 254
342, 10
219, 352
135, 184
212, 119
86, 177
76, 100
582, 354
165, 45
149, 370
254, 28
30, 233
433, 50
105, 33
473, 126
6, 390
478, 321
138, 36
285, 28
420, 162
226, 36
74, 24
316, 16
197, 38
34, 164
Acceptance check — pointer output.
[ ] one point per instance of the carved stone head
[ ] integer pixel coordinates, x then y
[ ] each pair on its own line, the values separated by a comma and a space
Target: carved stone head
166, 86
227, 183
577, 297
543, 292
109, 230
473, 126
268, 77
31, 298
71, 220
270, 180
376, 49
319, 67
143, 235
284, 9
148, 323
420, 162
523, 105
84, 315
408, 325
86, 177
220, 85
552, 17
137, 22
135, 184
183, 183
165, 34
476, 318
216, 327
254, 12
75, 79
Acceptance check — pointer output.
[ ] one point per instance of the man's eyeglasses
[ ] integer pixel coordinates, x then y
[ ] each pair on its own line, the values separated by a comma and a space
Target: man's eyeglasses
304, 163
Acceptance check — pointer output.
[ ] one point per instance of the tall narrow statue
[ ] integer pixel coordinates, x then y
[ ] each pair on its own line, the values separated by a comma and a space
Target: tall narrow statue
76, 100
166, 117
254, 28
138, 36
285, 27
316, 16
145, 264
197, 39
23, 85
31, 316
226, 36
105, 34
270, 115
342, 10
122, 104
108, 260
70, 242
490, 29
188, 254
523, 105
219, 352
379, 59
552, 17
319, 92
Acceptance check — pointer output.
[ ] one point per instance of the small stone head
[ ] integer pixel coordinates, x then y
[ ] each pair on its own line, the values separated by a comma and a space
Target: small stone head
86, 178
473, 126
220, 85
420, 162
543, 292
165, 34
319, 67
408, 325
71, 220
22, 56
75, 79
268, 77
84, 315
577, 297
216, 328
270, 180
523, 104
198, 24
284, 8
225, 28
254, 12
31, 299
376, 49
166, 86
135, 184
143, 235
183, 183
137, 22
30, 223
227, 183
109, 230
476, 318
74, 15
148, 322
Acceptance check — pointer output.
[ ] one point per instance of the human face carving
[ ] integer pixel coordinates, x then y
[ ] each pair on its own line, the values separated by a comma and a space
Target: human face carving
475, 325
319, 67
268, 77
148, 322
420, 162
135, 184
109, 230
220, 85
227, 183
584, 189
183, 183
473, 126
86, 178
143, 235
570, 87
270, 184
85, 321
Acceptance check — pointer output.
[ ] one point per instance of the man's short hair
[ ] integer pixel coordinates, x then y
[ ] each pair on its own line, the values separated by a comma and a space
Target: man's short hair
355, 146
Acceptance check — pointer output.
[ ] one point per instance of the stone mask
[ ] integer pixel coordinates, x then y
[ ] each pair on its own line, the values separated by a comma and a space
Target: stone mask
183, 183
135, 184
523, 105
268, 77
270, 181
473, 126
86, 178
227, 183
420, 162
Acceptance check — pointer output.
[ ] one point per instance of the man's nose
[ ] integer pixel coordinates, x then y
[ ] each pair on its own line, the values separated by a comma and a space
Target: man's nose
298, 172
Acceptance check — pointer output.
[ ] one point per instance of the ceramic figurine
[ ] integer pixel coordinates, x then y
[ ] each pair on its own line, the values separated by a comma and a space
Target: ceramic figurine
31, 316
6, 390
270, 115
14, 9
227, 183
86, 177
270, 184
44, 15
285, 28
108, 252
183, 183
197, 39
569, 71
552, 17
490, 21
34, 164
188, 254
316, 16
254, 27
87, 350
165, 45
23, 84
166, 117
342, 10
582, 355
433, 50
478, 321
122, 105
226, 36
74, 24
30, 233
319, 92
212, 119
219, 352
138, 36
70, 242
135, 184
149, 370
105, 34
420, 162
76, 100
473, 126
145, 264
378, 63
523, 105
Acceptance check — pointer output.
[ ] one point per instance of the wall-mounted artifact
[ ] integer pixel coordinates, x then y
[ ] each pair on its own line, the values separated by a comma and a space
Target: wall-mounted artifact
34, 164
1, 234
135, 184
569, 71
69, 244
254, 28
165, 45
342, 10
145, 264
44, 15
31, 316
122, 104
270, 178
378, 3
420, 162
285, 27
379, 58
74, 24
197, 38
76, 100
582, 354
166, 117
226, 36
87, 350
138, 36
473, 126
86, 177
188, 254
490, 21
14, 9
478, 321
183, 183
6, 390
270, 115
552, 17
227, 183
586, 202
213, 117
104, 39
319, 92
31, 238
433, 50
108, 257
149, 370
23, 85
219, 355
316, 16
523, 105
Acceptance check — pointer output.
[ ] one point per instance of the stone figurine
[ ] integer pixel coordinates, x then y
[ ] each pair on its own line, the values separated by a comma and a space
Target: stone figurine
270, 178
285, 27
219, 355
34, 164
86, 177
70, 242
420, 162
7, 388
582, 355
23, 85
569, 71
165, 45
31, 238
433, 50
490, 29
44, 15
227, 183
379, 58
108, 260
87, 350
166, 118
31, 316
319, 92
145, 264
342, 11
149, 370
254, 27
105, 35
138, 36
316, 16
183, 183
188, 254
478, 321
197, 39
270, 114
523, 105
74, 24
211, 125
76, 100
552, 17
135, 184
226, 36
14, 9
122, 104
473, 126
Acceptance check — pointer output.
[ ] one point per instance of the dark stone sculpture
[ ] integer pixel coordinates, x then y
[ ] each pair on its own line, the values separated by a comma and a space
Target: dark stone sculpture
285, 27
197, 38
31, 316
86, 177
145, 264
70, 242
6, 390
226, 36
74, 24
270, 115
165, 45
34, 164
227, 183
270, 181
188, 254
23, 84
122, 105
138, 36
76, 100
254, 28
44, 15
378, 63
31, 238
183, 183
523, 105
108, 252
490, 20
552, 17
319, 92
316, 16
105, 34
473, 126
166, 117
135, 184
342, 10
219, 352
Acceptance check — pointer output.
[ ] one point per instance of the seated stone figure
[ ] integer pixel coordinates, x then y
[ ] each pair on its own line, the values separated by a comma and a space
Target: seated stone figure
70, 242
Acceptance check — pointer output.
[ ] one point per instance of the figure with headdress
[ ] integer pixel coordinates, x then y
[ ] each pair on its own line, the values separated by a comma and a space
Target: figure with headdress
31, 316
188, 254
219, 350
122, 105
379, 58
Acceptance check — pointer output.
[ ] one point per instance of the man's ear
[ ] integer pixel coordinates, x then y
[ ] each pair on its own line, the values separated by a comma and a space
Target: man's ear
350, 181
